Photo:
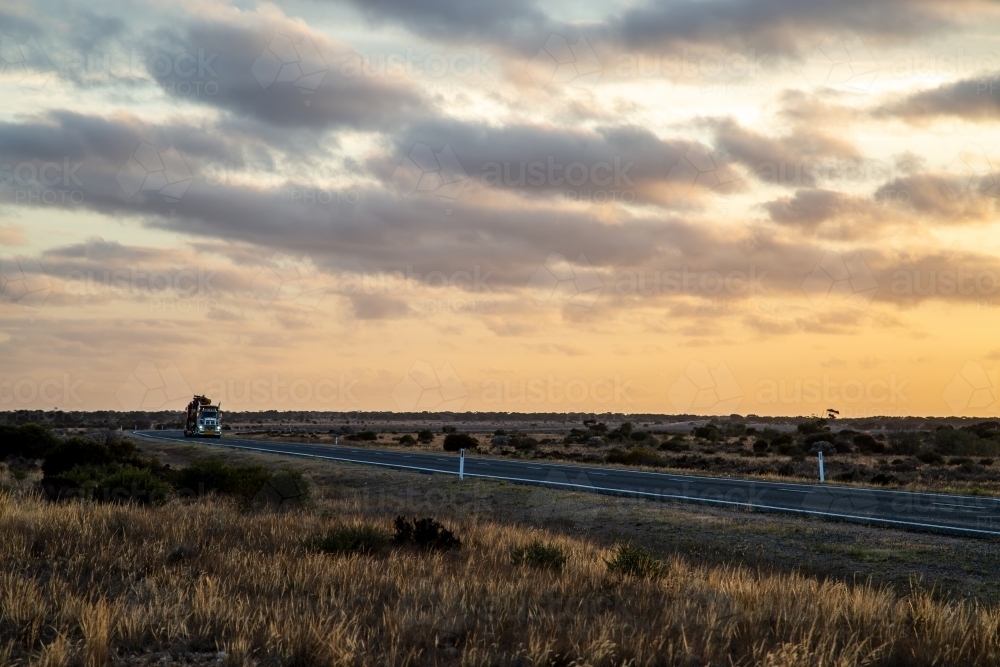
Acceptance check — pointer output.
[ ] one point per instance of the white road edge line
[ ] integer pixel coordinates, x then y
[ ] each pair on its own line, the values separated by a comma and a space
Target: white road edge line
895, 522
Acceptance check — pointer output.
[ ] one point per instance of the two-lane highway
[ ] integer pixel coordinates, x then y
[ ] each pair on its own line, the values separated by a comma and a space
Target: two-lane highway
963, 515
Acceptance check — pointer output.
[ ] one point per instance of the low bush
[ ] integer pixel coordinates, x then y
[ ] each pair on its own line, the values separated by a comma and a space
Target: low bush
75, 452
29, 441
761, 445
635, 561
130, 484
540, 555
425, 436
866, 444
407, 440
636, 456
213, 475
345, 539
426, 534
456, 441
930, 457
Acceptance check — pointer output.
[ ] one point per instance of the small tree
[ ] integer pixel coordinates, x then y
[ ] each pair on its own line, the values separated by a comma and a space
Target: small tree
456, 441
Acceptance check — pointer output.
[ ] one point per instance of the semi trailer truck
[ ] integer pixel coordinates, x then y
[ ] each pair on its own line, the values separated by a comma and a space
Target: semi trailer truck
204, 420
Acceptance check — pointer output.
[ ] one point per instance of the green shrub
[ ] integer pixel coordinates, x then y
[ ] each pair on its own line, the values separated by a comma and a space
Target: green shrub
708, 432
867, 444
456, 441
637, 456
213, 475
930, 457
130, 484
367, 436
537, 554
426, 534
523, 443
407, 440
74, 452
347, 539
425, 436
635, 561
29, 441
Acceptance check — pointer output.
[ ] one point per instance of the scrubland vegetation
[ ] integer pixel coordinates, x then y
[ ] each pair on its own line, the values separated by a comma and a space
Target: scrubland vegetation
943, 457
213, 579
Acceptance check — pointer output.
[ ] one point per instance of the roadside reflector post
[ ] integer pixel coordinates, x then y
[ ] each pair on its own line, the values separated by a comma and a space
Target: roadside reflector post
822, 473
461, 465
336, 439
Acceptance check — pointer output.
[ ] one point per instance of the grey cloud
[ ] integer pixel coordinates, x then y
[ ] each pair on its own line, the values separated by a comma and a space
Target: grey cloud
778, 26
973, 99
249, 79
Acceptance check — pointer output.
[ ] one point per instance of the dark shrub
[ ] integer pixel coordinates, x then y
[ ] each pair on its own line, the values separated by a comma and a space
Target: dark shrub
761, 445
635, 561
930, 457
639, 436
456, 441
425, 534
708, 432
783, 439
537, 554
425, 436
868, 445
448, 429
788, 449
806, 428
615, 455
986, 462
212, 475
75, 452
636, 456
129, 484
368, 436
29, 441
882, 479
904, 442
407, 440
523, 443
345, 539
675, 445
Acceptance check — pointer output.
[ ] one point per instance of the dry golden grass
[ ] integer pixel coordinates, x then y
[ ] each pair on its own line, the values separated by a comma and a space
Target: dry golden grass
97, 584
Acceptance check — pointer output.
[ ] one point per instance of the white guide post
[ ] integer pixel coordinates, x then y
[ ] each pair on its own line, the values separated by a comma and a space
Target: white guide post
461, 465
822, 473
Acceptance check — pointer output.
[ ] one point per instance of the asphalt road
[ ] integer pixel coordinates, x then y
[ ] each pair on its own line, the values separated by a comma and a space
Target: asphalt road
931, 512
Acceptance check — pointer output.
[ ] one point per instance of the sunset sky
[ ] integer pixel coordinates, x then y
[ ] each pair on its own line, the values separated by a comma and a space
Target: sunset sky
769, 206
